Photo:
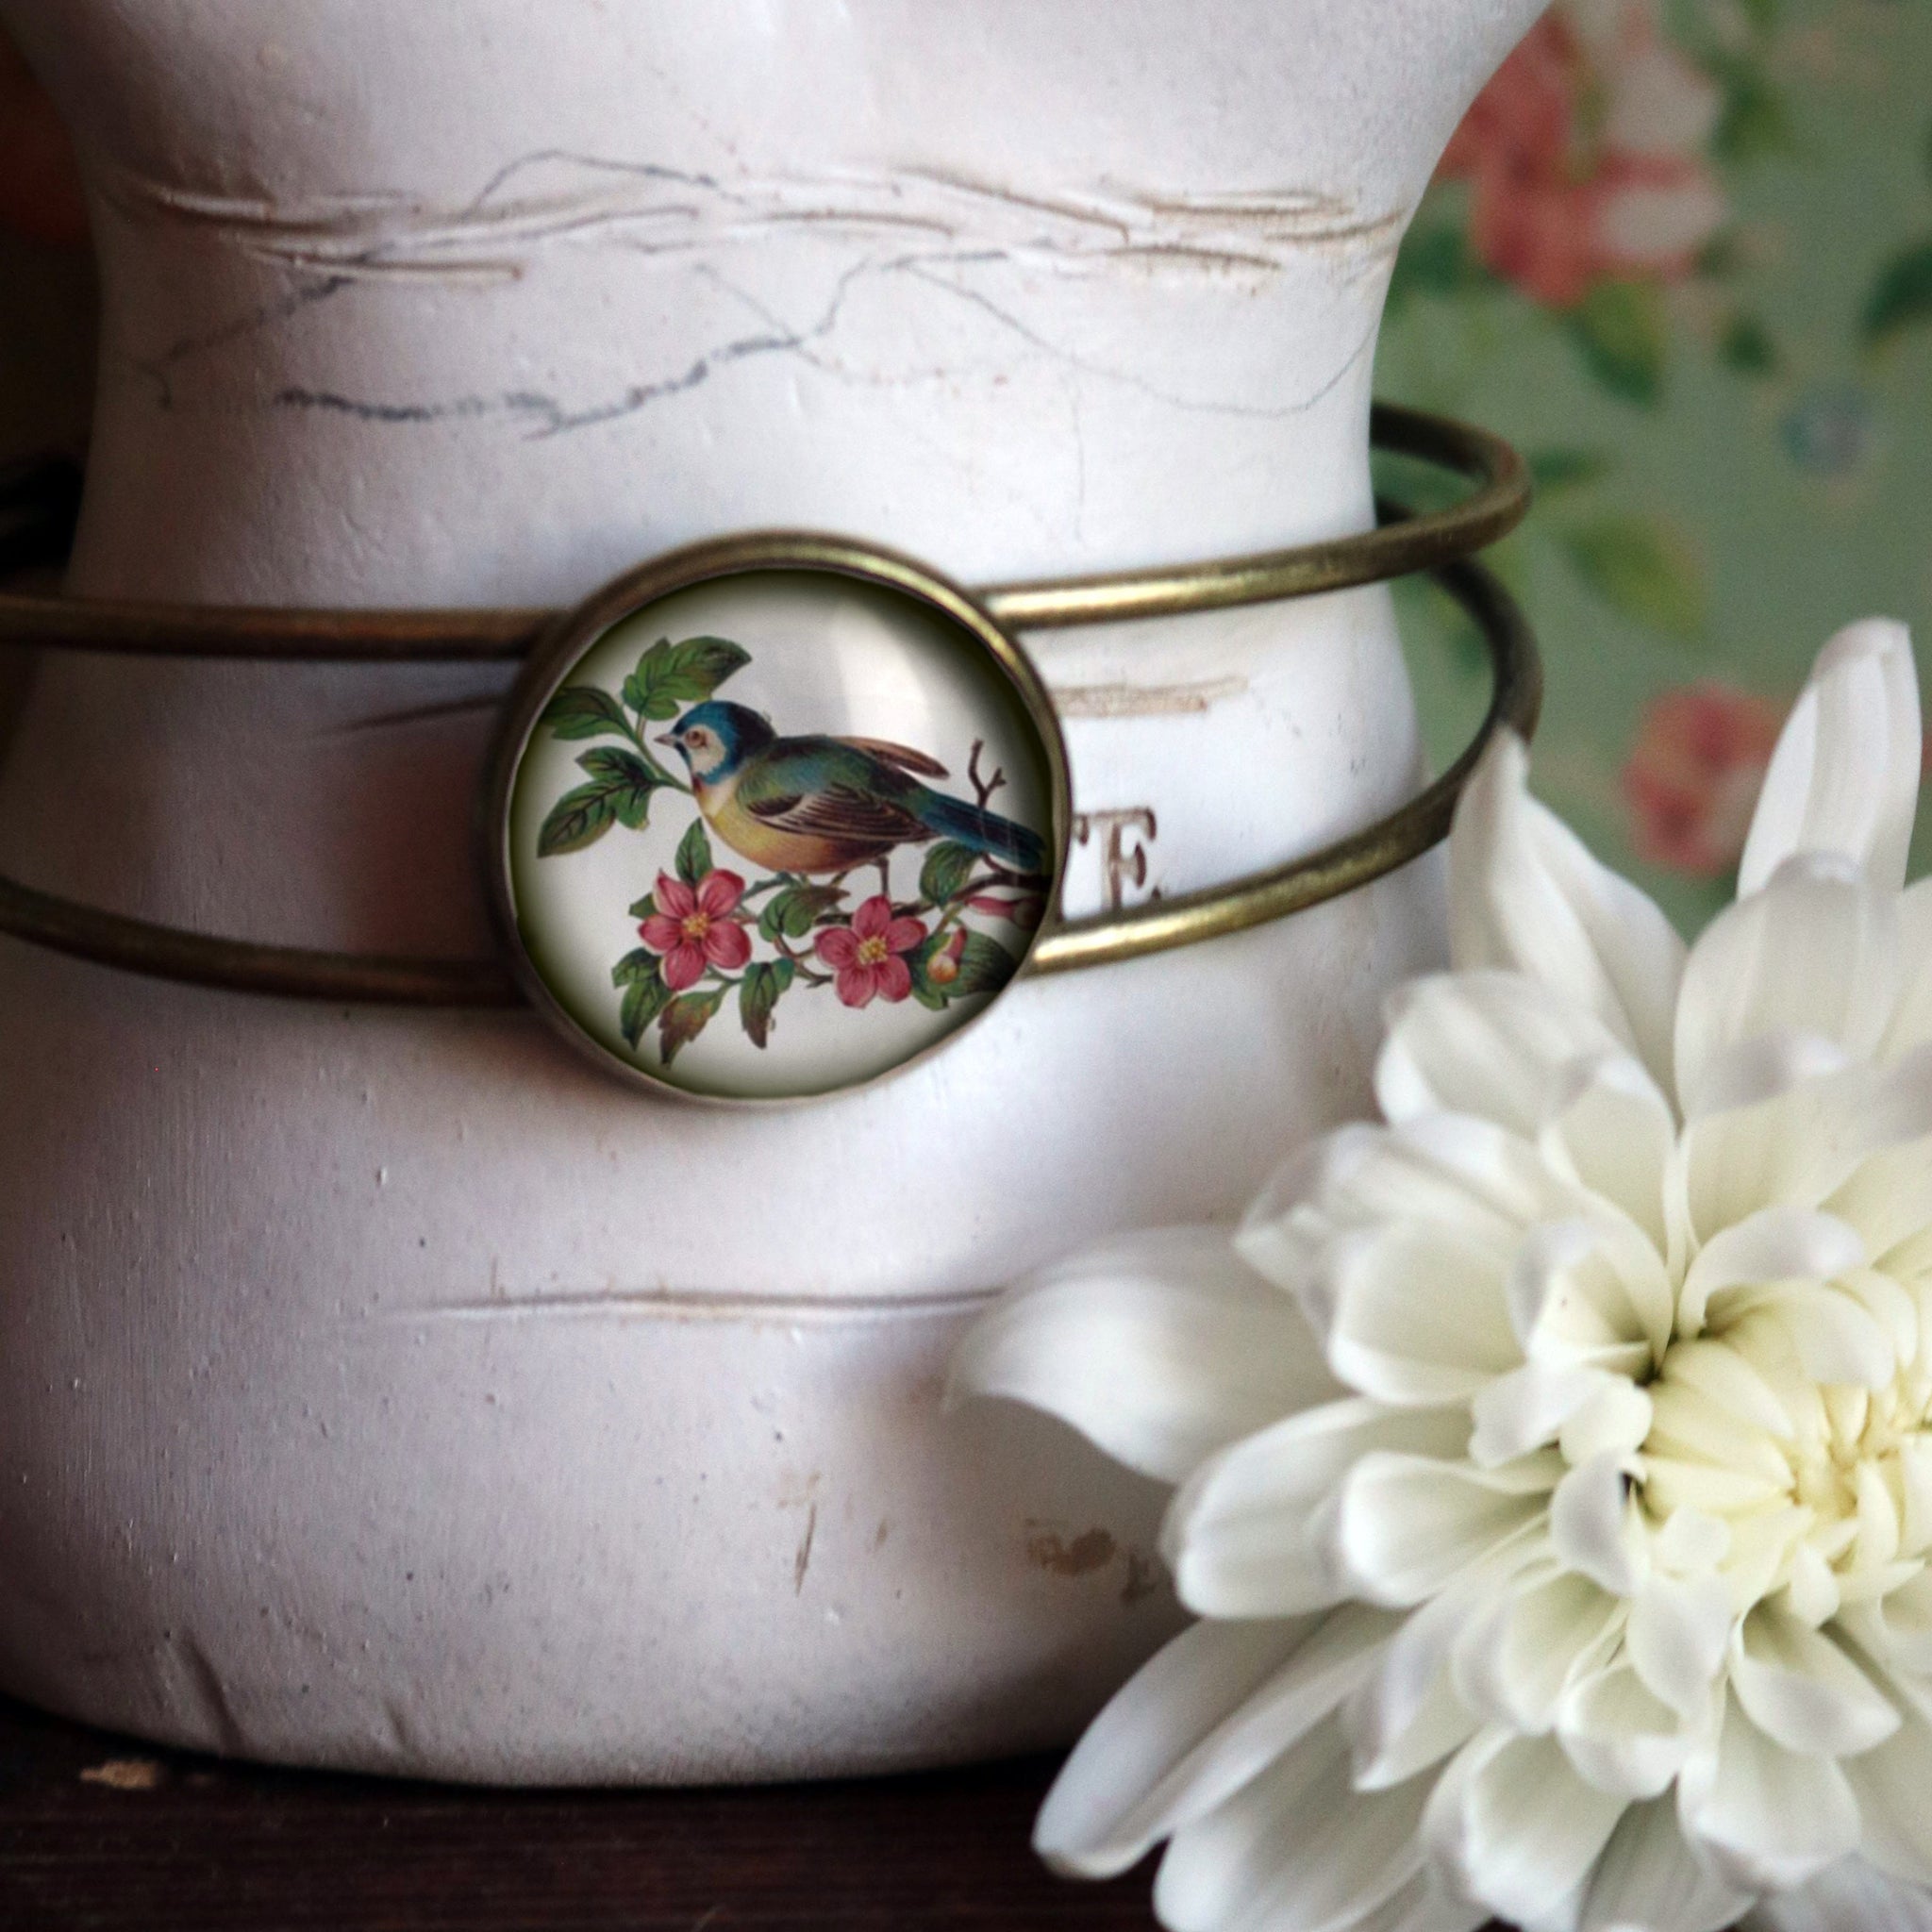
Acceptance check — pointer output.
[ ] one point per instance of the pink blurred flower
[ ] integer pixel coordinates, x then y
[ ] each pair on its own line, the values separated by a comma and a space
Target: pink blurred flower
693, 928
1694, 773
1587, 155
866, 954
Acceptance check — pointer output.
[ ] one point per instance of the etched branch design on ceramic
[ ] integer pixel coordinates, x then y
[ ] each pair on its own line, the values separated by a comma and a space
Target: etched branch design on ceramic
806, 813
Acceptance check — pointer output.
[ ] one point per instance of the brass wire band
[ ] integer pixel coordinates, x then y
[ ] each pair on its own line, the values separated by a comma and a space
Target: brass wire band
110, 939
1416, 543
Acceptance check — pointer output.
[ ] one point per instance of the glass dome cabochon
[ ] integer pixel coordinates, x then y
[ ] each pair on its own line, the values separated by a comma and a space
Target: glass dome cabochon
775, 816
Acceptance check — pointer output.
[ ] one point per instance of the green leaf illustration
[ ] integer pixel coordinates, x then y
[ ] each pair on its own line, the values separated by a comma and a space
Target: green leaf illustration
644, 997
579, 818
1620, 327
684, 1019
758, 992
642, 908
669, 676
638, 963
985, 966
947, 867
630, 781
1901, 295
694, 853
582, 710
1642, 569
793, 912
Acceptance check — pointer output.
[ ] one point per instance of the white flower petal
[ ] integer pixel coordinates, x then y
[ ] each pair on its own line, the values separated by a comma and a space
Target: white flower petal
1690, 1541
1688, 1424
1244, 1536
1853, 1894
1592, 1524
1620, 1737
1419, 1907
1894, 1786
1775, 1244
1525, 895
1911, 1019
1767, 1818
1441, 1723
1897, 1629
1160, 1347
1191, 1726
1491, 1044
1679, 1629
1835, 1335
1511, 1826
1845, 777
1407, 1524
1888, 1199
1891, 1306
1528, 1406
1512, 1663
1795, 1148
1803, 1692
1289, 1222
1650, 1880
1294, 1851
1414, 1316
1726, 1381
1592, 1293
1396, 1717
1449, 1170
1816, 955
1611, 1131
1615, 1421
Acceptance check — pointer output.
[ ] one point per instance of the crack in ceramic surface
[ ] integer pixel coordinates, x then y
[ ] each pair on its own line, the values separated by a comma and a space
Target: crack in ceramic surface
554, 195
978, 232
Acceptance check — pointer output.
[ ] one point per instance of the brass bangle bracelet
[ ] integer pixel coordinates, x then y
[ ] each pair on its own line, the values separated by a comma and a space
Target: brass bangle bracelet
1439, 543
1393, 550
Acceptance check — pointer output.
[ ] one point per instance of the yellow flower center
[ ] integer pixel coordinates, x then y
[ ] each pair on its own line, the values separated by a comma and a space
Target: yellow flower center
1844, 1472
872, 951
695, 926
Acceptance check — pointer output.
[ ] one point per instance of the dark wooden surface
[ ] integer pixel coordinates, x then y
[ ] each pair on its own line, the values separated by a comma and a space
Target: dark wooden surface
102, 1834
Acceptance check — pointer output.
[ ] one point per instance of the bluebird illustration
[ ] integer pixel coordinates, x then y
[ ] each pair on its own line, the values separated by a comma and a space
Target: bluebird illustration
828, 805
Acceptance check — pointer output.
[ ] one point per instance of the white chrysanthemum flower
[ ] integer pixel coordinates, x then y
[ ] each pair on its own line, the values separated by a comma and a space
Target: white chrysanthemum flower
1560, 1540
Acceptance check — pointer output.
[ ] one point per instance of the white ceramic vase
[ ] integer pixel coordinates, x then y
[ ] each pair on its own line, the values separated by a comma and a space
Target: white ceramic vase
389, 1390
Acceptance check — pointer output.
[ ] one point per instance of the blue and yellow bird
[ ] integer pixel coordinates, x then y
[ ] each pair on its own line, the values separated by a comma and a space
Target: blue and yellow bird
828, 805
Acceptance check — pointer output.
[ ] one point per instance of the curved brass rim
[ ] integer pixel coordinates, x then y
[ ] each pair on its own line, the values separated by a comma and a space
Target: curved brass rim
1400, 549
110, 939
563, 653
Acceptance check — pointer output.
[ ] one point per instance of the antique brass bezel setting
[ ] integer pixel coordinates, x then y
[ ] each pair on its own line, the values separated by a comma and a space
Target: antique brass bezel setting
1441, 543
578, 633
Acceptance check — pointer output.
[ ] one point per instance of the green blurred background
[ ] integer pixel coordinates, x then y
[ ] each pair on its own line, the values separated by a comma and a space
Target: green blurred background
1681, 256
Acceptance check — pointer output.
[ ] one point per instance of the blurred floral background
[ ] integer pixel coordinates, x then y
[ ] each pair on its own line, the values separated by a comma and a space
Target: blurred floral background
1680, 253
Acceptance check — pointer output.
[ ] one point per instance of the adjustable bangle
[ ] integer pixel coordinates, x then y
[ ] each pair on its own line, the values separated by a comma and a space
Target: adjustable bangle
776, 870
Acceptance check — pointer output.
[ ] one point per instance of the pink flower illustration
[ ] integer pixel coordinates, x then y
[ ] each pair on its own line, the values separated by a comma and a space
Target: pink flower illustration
866, 954
1587, 155
1694, 776
694, 927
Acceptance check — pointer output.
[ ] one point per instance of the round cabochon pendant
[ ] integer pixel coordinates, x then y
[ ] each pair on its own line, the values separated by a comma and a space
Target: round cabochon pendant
775, 816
